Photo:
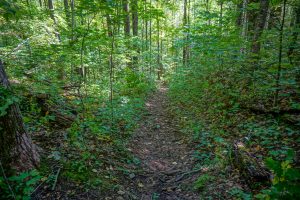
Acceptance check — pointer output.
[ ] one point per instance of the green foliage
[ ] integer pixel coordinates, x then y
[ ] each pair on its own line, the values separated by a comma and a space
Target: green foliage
285, 183
6, 99
240, 194
106, 129
202, 181
80, 57
20, 186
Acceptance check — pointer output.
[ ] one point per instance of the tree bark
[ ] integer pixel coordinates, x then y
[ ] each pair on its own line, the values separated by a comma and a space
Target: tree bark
135, 18
295, 33
158, 49
17, 151
184, 53
52, 16
259, 27
278, 75
126, 18
67, 12
135, 32
245, 19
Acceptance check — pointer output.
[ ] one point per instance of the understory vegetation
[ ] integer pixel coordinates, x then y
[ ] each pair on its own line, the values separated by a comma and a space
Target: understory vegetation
75, 76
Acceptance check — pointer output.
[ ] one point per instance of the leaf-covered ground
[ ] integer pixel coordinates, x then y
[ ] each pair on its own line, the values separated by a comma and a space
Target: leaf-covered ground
167, 166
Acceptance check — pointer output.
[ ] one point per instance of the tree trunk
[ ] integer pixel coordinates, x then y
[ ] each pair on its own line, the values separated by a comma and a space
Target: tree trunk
245, 19
295, 33
72, 4
17, 150
158, 49
135, 18
67, 12
40, 3
259, 27
135, 30
126, 18
51, 9
184, 53
150, 38
278, 75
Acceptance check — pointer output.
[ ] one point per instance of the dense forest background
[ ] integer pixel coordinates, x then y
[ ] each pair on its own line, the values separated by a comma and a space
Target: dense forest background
75, 75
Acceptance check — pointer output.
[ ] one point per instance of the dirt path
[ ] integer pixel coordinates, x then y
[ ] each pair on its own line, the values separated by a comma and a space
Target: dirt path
165, 157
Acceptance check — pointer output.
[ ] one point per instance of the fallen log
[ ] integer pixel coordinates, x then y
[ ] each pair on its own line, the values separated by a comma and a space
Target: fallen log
276, 112
61, 118
250, 168
63, 115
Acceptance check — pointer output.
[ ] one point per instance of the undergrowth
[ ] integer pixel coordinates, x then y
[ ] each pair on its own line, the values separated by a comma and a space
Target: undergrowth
212, 112
92, 151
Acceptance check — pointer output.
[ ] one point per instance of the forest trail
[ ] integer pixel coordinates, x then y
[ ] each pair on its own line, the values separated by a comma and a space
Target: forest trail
164, 154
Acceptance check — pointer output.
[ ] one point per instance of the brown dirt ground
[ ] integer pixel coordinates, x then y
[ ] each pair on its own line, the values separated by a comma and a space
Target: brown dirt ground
166, 161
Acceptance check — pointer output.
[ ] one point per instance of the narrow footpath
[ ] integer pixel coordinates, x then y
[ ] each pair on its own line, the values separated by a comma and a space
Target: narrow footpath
165, 156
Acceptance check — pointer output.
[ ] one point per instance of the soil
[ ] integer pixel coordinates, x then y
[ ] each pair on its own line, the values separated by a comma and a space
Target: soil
165, 157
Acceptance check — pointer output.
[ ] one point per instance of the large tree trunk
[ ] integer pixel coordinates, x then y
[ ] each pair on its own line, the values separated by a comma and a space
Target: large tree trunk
259, 27
17, 152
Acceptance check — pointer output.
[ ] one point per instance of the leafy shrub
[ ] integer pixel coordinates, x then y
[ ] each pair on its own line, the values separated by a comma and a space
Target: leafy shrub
285, 184
19, 187
202, 181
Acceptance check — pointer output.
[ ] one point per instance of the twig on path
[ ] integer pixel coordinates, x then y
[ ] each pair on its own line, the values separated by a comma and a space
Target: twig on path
56, 177
40, 185
187, 173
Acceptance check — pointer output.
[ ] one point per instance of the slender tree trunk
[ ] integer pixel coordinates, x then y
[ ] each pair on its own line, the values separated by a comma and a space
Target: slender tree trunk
135, 18
278, 76
268, 18
135, 29
158, 48
111, 64
67, 12
295, 34
126, 18
17, 150
52, 15
245, 19
72, 4
240, 12
150, 39
207, 10
221, 15
184, 53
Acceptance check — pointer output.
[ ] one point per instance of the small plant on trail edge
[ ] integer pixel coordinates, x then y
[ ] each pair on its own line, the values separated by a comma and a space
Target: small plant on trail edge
202, 181
240, 194
286, 181
19, 187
